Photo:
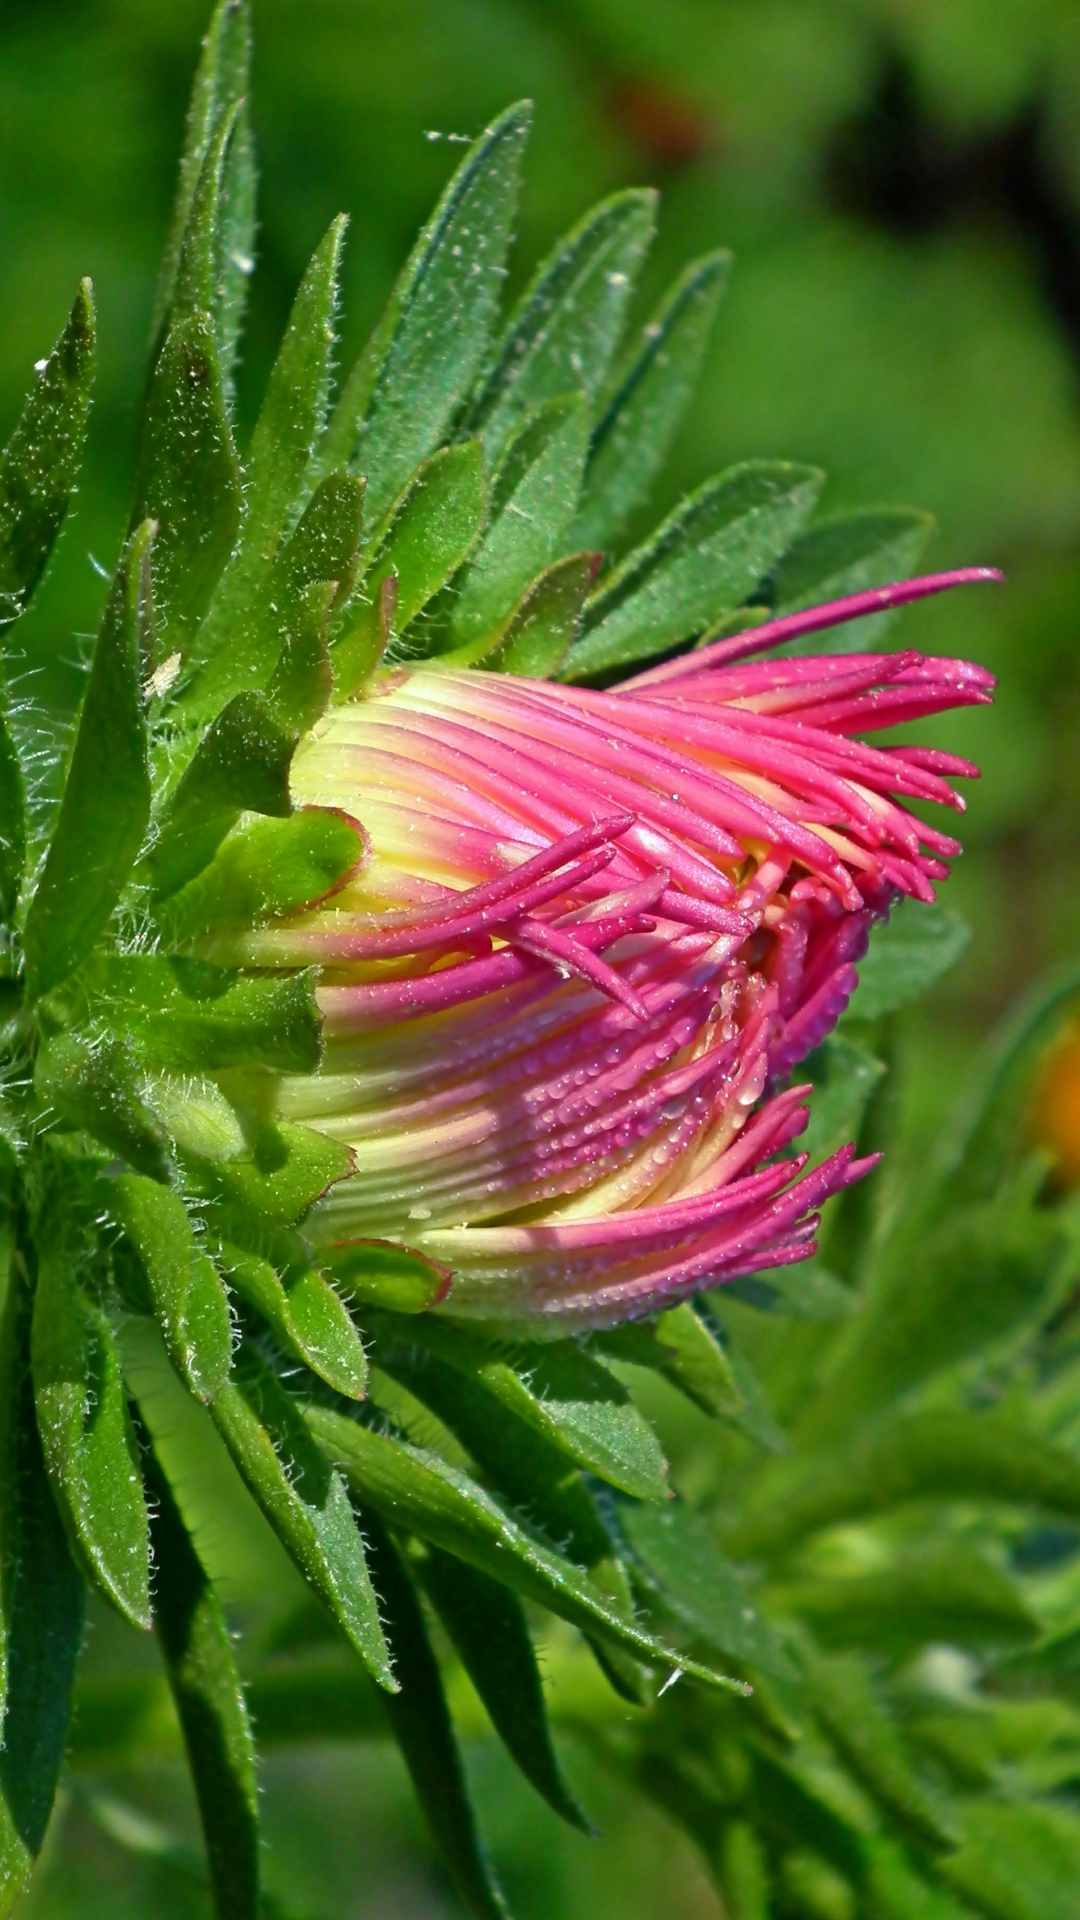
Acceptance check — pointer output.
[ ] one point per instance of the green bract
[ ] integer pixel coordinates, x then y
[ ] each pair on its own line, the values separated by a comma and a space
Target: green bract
450, 501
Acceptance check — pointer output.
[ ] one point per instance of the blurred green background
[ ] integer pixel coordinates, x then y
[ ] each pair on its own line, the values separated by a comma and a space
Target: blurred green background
900, 183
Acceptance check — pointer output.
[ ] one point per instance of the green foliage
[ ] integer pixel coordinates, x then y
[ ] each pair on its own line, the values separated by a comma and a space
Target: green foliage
855, 1580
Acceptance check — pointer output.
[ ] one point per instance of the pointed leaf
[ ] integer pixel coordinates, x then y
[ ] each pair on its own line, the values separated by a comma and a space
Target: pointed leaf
40, 464
547, 620
306, 1504
41, 1616
237, 646
742, 1869
400, 399
908, 955
12, 824
845, 1075
263, 870
1017, 1862
291, 1167
806, 1291
848, 553
534, 493
421, 1724
569, 1396
188, 1296
222, 81
490, 1632
324, 545
428, 535
86, 1434
566, 328
386, 1275
189, 1015
636, 427
201, 1665
105, 807
309, 1319
189, 478
697, 1590
415, 1489
704, 560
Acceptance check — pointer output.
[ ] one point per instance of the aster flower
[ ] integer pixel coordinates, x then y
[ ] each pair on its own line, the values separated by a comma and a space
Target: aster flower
431, 922
555, 1032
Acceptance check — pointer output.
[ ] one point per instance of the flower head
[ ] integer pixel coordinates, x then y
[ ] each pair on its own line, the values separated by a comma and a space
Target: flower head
591, 935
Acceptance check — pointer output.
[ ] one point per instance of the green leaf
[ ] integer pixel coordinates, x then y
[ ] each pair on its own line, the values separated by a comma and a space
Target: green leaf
845, 1075
263, 870
105, 809
190, 1016
488, 1627
309, 1319
742, 1869
952, 1594
530, 1473
567, 1395
534, 493
86, 1434
697, 1590
690, 1348
1016, 1862
429, 533
421, 1724
189, 479
636, 427
222, 82
290, 1168
415, 1489
13, 827
547, 620
908, 955
805, 1291
868, 1741
324, 546
306, 1504
40, 464
242, 763
41, 1617
848, 553
93, 1081
704, 560
566, 328
198, 1652
237, 646
386, 1275
188, 1296
951, 1454
409, 384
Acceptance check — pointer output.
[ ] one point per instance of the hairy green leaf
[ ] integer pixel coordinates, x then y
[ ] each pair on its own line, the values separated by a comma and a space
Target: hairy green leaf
86, 1434
306, 1504
221, 84
420, 1720
704, 560
415, 1489
308, 1317
534, 493
489, 1629
188, 480
191, 1016
12, 823
566, 328
41, 1618
417, 369
105, 807
276, 1185
428, 535
201, 1665
93, 1081
187, 1292
40, 464
264, 869
639, 421
569, 1396
237, 645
